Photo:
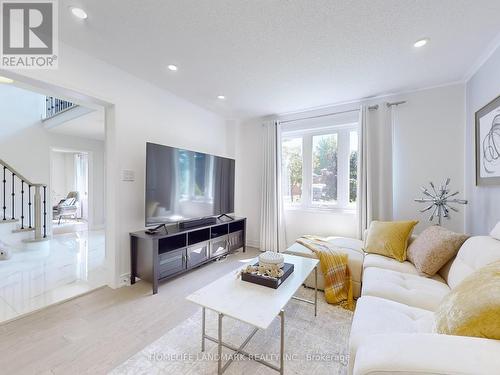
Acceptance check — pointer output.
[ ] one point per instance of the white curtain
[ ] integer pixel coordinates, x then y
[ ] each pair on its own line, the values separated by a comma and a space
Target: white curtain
272, 222
365, 197
375, 190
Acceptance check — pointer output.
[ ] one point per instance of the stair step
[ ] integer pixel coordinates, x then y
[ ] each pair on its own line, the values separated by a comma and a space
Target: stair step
7, 221
31, 240
19, 230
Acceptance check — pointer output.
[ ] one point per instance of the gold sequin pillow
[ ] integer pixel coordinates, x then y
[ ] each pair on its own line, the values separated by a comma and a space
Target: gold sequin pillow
389, 238
433, 248
473, 307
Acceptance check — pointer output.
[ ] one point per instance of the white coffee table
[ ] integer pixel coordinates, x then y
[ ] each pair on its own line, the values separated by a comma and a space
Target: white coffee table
253, 304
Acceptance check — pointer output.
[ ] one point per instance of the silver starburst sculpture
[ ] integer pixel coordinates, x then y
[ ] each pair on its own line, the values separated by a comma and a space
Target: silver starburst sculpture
440, 200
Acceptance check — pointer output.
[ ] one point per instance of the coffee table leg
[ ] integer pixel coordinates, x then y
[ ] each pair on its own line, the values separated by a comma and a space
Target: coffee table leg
219, 344
282, 343
316, 291
202, 329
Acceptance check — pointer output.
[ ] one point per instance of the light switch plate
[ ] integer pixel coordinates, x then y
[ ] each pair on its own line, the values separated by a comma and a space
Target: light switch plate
128, 175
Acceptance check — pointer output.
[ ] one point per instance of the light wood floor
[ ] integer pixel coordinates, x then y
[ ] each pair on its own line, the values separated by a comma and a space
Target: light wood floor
96, 332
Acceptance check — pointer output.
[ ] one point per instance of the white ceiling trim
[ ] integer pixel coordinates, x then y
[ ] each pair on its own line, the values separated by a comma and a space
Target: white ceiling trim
369, 100
492, 47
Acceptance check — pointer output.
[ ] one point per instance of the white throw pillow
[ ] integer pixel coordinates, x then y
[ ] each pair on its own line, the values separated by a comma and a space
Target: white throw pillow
495, 233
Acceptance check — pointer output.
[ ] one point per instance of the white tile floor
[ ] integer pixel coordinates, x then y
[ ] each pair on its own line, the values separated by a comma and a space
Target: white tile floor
42, 273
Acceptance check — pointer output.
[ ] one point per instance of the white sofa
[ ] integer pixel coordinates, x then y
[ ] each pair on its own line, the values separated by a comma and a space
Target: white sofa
393, 326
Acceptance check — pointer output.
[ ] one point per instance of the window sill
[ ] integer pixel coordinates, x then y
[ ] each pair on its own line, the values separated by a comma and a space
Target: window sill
323, 210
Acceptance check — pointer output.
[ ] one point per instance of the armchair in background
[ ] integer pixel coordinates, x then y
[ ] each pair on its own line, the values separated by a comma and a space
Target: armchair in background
67, 208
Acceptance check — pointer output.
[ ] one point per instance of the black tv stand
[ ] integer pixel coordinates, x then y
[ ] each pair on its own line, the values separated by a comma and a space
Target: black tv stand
164, 255
225, 215
155, 230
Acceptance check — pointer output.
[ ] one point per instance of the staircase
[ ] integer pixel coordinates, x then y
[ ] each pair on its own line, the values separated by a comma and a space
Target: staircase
23, 202
55, 106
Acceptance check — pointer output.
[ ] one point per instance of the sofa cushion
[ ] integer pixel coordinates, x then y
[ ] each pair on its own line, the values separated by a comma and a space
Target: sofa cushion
433, 248
473, 307
379, 316
475, 253
389, 238
380, 261
346, 242
412, 290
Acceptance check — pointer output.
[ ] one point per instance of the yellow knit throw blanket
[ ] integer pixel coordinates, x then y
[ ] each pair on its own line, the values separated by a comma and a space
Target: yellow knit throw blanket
338, 282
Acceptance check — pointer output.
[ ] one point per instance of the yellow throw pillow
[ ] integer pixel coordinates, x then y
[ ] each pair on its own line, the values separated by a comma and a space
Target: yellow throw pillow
389, 238
473, 307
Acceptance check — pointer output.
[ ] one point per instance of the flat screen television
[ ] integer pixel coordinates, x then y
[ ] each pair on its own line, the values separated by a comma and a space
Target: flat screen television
183, 185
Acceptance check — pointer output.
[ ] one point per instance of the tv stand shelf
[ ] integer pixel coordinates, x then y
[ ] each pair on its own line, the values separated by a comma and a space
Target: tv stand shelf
166, 254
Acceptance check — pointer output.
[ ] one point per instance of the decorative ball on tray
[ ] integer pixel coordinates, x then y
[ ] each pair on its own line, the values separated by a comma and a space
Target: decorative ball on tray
270, 270
271, 258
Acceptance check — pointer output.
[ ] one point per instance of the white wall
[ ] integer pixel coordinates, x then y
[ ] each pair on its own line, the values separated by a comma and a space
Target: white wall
248, 176
59, 182
428, 146
19, 109
142, 112
483, 211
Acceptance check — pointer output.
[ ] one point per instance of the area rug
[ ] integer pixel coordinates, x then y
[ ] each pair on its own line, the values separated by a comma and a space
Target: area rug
313, 345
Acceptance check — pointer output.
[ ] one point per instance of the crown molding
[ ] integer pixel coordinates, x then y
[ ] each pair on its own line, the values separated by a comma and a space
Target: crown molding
492, 47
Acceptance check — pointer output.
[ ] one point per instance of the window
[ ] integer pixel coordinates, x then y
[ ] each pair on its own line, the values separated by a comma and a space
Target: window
320, 167
324, 169
353, 166
292, 170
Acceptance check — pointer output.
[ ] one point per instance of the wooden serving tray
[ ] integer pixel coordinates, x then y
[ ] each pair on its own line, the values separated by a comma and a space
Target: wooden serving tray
268, 281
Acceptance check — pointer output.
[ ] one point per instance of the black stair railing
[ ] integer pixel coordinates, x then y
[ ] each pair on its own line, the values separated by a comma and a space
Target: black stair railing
13, 194
4, 204
54, 106
45, 212
29, 206
35, 204
22, 204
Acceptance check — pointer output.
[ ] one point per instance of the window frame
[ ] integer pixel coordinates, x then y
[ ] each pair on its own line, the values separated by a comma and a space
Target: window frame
343, 167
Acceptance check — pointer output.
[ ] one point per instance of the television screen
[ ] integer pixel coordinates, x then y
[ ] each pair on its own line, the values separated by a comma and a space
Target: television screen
183, 184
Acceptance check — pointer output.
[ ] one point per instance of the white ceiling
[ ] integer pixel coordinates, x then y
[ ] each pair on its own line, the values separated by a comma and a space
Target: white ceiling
272, 56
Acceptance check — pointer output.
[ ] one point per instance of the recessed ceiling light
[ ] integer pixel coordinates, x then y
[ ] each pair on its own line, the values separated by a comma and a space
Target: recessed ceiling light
421, 42
221, 97
5, 80
79, 13
172, 67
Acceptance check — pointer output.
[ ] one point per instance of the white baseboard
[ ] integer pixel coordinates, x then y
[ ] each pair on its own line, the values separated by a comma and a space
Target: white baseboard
124, 280
253, 243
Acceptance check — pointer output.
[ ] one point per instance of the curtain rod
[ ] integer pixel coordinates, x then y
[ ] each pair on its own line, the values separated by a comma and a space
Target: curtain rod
396, 103
372, 107
318, 116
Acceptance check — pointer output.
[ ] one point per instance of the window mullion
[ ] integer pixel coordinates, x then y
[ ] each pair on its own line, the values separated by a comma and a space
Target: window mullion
343, 169
307, 171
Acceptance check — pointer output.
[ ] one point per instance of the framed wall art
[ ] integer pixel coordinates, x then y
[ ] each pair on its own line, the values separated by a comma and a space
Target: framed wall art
488, 144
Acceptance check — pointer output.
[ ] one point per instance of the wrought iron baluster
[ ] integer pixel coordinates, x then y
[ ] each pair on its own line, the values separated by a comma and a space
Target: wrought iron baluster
22, 204
29, 206
44, 211
13, 197
4, 193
